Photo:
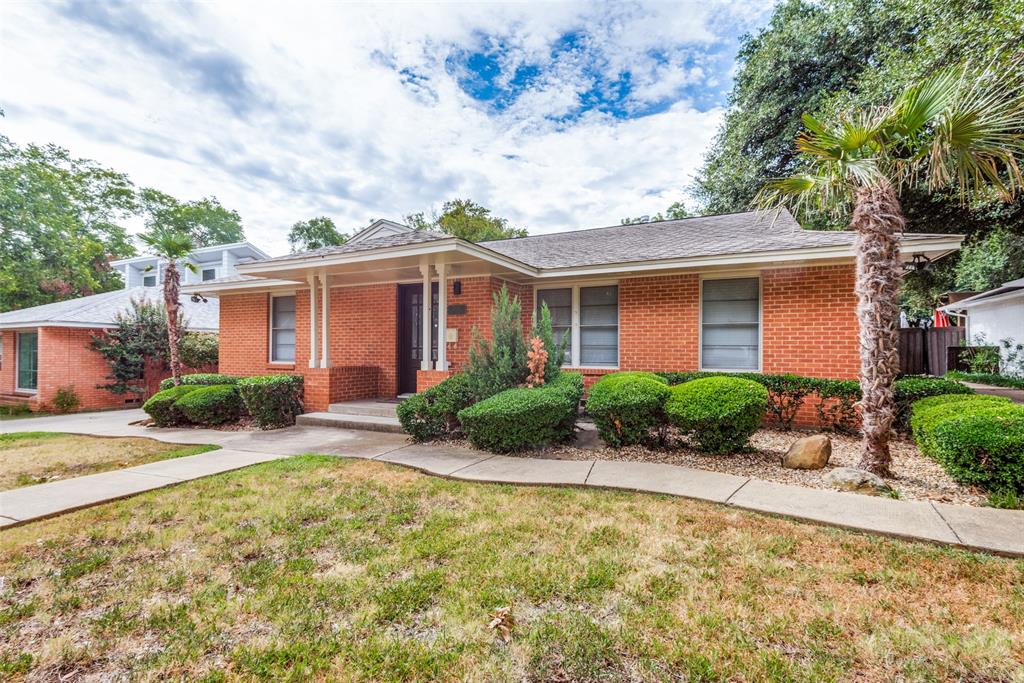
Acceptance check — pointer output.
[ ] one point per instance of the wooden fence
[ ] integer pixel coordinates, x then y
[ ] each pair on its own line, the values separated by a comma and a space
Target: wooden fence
923, 351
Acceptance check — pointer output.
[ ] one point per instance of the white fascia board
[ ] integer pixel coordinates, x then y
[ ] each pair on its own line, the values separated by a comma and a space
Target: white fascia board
214, 288
749, 259
975, 301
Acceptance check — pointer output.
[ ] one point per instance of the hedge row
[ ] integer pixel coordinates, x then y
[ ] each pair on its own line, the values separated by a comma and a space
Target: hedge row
987, 378
523, 419
434, 412
978, 440
837, 409
271, 400
200, 379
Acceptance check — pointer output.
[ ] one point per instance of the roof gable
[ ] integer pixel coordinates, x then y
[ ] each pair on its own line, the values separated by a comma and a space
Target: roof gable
379, 228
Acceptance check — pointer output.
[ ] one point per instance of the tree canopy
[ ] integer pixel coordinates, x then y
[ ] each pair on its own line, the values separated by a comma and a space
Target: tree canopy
826, 57
204, 220
466, 219
315, 233
60, 223
675, 211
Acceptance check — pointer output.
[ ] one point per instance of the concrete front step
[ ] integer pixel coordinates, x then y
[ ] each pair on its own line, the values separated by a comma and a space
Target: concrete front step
369, 407
370, 423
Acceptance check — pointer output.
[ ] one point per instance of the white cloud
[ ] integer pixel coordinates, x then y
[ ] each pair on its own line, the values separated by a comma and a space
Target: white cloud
285, 112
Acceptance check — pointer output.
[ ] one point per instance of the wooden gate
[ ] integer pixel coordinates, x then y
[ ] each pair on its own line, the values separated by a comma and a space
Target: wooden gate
923, 351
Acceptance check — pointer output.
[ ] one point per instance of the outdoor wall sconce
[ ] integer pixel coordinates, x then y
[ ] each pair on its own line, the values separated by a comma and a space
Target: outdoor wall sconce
918, 263
457, 287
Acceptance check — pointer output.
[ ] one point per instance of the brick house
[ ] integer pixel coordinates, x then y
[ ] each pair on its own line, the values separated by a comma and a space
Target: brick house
46, 348
730, 292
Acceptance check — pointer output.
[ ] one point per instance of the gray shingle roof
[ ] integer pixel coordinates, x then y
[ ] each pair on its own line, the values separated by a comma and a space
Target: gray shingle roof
411, 237
734, 233
100, 310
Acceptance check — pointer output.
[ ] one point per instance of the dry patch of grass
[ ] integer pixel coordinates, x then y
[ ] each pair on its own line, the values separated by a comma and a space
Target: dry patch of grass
28, 458
328, 569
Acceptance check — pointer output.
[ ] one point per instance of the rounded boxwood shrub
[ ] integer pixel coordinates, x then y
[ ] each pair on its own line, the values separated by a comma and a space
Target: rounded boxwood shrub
272, 400
523, 419
929, 412
628, 406
201, 379
212, 405
909, 390
983, 447
718, 413
434, 412
161, 406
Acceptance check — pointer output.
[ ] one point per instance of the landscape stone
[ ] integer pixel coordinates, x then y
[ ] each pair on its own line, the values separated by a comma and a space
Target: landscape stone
808, 453
858, 481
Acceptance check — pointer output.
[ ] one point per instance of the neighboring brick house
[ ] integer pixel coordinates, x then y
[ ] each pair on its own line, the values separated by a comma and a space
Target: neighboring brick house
46, 348
732, 292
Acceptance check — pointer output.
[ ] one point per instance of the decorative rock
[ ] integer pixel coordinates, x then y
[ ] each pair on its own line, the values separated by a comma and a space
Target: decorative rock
858, 481
808, 453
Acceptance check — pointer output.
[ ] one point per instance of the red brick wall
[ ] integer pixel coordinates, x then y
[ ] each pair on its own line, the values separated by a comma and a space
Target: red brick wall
430, 378
810, 324
658, 323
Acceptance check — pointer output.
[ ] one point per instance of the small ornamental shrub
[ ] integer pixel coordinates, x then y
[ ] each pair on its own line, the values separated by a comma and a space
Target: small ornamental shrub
719, 414
555, 350
200, 379
837, 404
536, 362
786, 392
161, 406
66, 400
983, 447
434, 413
499, 364
212, 405
273, 401
929, 412
199, 349
523, 419
909, 390
628, 407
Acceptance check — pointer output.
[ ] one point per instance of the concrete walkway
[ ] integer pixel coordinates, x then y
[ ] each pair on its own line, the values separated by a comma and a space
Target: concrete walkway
986, 529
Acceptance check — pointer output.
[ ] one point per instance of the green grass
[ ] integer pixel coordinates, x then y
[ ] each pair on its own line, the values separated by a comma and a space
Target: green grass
329, 569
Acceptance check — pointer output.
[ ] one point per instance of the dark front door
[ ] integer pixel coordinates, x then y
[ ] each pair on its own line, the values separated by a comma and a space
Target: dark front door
410, 334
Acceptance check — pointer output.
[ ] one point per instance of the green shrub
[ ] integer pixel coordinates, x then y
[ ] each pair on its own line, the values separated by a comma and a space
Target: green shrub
718, 414
523, 419
628, 407
556, 350
786, 393
161, 406
987, 378
66, 400
837, 404
499, 364
929, 412
199, 349
272, 400
212, 405
434, 412
909, 390
983, 447
200, 379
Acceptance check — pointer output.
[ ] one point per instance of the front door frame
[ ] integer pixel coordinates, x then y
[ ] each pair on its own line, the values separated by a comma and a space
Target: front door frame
406, 327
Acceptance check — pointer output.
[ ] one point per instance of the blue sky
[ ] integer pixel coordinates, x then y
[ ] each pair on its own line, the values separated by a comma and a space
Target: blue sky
557, 116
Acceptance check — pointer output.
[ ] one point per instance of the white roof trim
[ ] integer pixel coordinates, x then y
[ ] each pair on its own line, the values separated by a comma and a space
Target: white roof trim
201, 250
982, 300
212, 288
381, 225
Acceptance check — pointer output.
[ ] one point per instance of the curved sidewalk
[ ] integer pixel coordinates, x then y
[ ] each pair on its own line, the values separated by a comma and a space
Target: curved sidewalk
985, 529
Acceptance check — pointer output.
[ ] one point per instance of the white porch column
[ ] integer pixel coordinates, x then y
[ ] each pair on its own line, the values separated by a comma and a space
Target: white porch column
442, 314
325, 319
312, 321
425, 363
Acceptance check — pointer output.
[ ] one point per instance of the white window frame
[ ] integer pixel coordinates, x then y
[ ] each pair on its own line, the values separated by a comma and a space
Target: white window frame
760, 319
17, 360
270, 328
574, 331
156, 279
203, 269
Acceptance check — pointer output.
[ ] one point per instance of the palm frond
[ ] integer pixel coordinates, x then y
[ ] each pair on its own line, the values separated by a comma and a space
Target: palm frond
802, 192
923, 102
170, 245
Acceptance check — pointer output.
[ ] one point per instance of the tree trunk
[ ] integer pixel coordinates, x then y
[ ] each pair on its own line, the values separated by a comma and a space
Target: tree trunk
172, 287
877, 217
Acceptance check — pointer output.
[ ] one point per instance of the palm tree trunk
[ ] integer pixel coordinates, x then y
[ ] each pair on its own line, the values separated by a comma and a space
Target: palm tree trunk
877, 218
172, 286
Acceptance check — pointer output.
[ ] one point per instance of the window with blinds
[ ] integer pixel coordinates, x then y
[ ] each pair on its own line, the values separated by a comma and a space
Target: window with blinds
730, 324
282, 329
559, 302
599, 326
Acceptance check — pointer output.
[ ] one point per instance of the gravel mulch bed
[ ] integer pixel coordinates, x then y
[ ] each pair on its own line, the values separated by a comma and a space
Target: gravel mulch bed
915, 476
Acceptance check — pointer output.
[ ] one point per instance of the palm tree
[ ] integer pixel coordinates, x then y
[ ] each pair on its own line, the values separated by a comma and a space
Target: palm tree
960, 130
172, 246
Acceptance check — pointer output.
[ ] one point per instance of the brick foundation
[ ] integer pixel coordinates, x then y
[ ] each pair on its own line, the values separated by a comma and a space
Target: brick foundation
430, 378
324, 386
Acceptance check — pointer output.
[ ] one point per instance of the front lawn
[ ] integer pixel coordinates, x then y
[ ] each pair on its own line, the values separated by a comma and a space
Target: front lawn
318, 567
28, 458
